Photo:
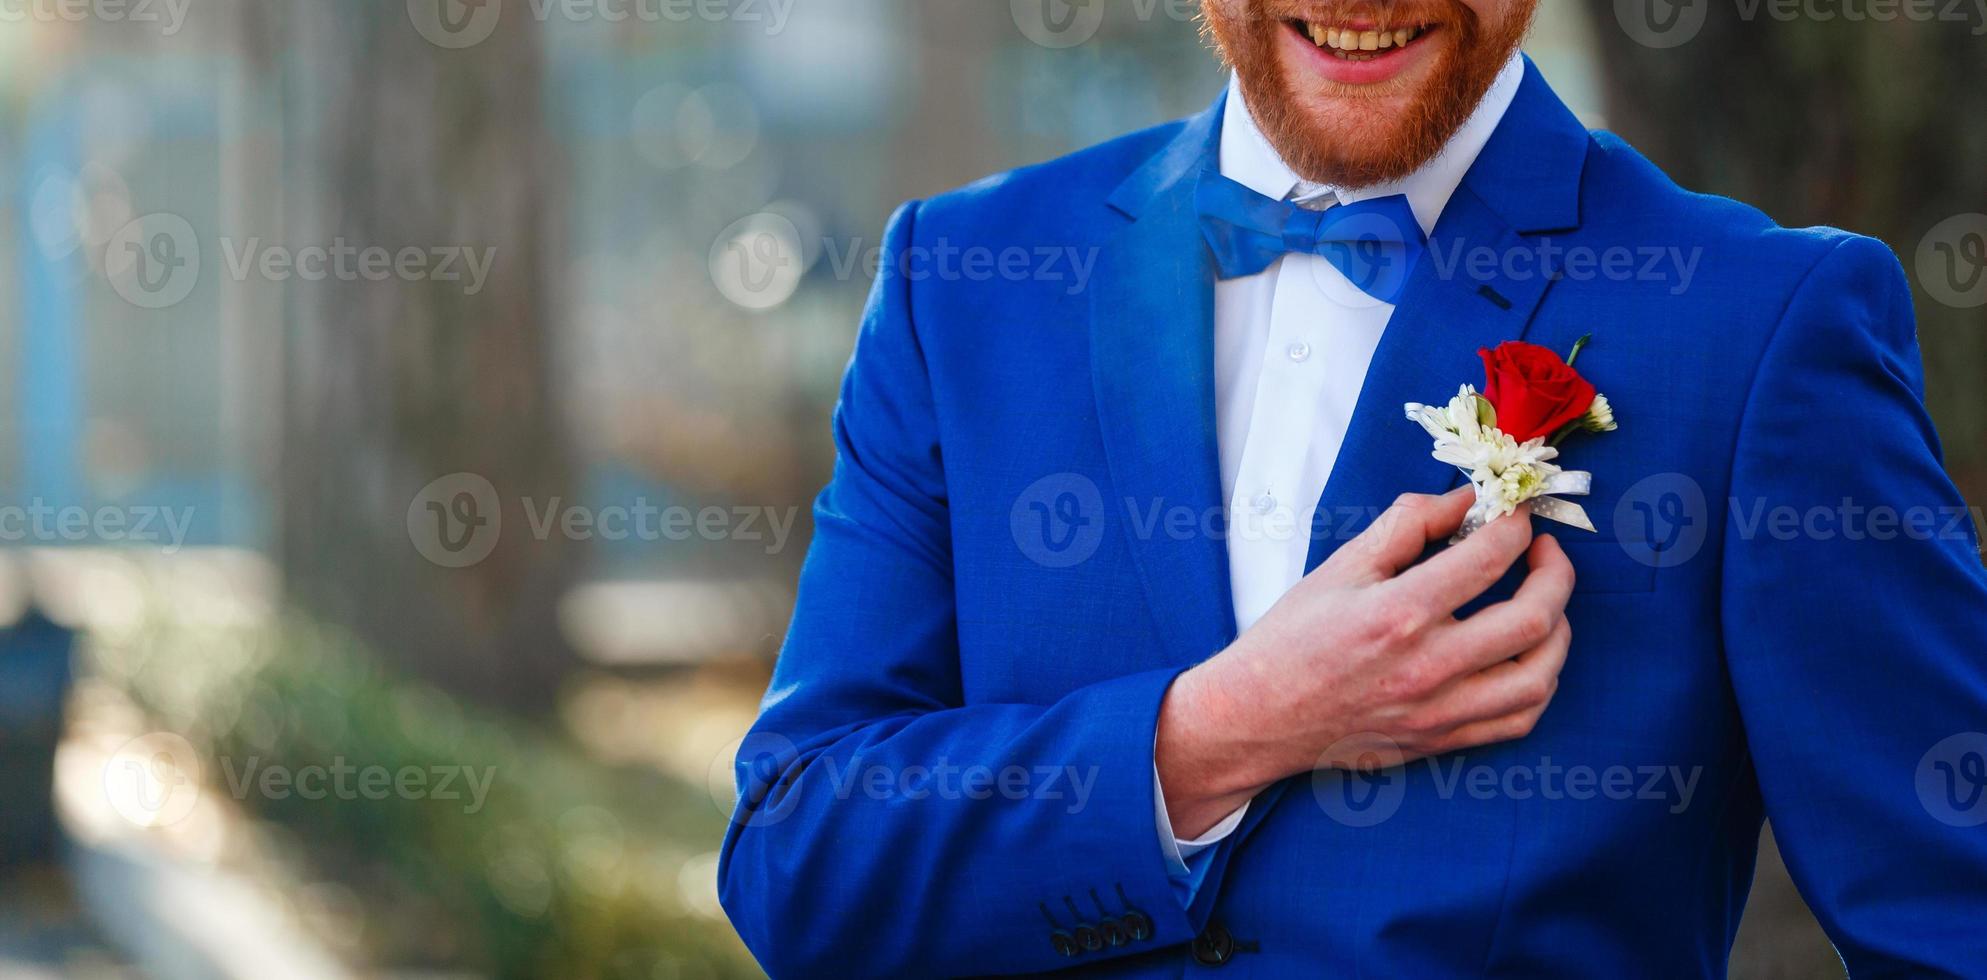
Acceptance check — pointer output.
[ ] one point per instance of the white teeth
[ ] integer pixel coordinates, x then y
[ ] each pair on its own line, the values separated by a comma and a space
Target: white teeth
1369, 41
1401, 36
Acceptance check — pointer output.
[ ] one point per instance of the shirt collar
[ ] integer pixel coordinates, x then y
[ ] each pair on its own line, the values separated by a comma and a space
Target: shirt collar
1248, 159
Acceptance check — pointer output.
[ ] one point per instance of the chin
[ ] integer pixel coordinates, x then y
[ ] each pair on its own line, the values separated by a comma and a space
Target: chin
1366, 98
1363, 116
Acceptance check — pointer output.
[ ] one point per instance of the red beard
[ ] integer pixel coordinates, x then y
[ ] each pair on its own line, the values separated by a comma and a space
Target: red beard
1285, 105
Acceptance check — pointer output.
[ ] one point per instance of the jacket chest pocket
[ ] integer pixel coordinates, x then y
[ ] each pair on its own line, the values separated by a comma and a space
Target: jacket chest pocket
1601, 566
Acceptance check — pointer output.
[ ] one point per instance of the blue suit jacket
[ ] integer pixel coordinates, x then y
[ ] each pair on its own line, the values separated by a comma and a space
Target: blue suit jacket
1021, 548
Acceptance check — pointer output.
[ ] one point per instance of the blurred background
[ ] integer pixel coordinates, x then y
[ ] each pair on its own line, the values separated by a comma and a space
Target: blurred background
412, 407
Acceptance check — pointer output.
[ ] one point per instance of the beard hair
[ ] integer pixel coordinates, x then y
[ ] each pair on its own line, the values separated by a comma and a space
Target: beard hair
1321, 154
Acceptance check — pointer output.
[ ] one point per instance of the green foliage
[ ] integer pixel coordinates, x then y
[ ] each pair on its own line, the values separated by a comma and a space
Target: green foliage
568, 868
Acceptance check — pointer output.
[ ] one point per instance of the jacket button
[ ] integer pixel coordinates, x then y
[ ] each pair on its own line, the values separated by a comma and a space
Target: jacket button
1063, 942
1088, 938
1137, 926
1214, 946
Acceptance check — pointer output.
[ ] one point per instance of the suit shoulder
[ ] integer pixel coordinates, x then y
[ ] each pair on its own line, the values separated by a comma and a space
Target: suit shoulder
1743, 276
1069, 188
1636, 196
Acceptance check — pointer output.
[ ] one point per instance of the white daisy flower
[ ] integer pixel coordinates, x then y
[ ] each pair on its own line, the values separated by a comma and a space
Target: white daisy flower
1600, 416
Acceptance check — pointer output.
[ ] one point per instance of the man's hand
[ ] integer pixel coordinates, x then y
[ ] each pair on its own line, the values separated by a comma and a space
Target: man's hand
1364, 660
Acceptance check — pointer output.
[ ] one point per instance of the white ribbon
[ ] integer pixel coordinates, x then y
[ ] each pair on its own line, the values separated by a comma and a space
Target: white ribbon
1546, 504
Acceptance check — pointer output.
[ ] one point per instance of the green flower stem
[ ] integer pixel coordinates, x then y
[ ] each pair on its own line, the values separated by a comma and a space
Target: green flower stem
1578, 346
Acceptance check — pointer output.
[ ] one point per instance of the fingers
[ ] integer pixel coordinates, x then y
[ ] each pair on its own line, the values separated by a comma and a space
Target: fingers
1527, 681
1505, 702
1519, 623
1397, 539
1450, 580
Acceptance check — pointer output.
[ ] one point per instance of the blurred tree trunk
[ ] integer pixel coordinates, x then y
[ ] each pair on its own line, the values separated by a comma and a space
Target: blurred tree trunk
1865, 125
398, 142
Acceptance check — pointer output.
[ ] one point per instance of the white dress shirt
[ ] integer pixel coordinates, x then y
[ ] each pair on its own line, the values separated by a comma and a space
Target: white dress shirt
1291, 349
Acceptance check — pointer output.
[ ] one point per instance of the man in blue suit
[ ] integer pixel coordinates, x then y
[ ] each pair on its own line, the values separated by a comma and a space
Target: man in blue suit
1130, 642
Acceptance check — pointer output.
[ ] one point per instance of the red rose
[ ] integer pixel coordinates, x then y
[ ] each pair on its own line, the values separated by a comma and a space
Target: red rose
1534, 392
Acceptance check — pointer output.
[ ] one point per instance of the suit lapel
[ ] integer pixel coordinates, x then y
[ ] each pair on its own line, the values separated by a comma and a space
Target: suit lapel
1152, 362
1478, 285
1152, 350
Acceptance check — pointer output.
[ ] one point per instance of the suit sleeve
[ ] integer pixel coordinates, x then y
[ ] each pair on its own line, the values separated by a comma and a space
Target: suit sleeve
1855, 624
885, 827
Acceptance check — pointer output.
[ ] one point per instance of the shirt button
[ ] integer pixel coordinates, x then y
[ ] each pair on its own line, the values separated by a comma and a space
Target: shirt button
1300, 352
1264, 502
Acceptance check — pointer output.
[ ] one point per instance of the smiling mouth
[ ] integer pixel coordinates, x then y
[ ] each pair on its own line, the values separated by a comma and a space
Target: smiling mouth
1349, 43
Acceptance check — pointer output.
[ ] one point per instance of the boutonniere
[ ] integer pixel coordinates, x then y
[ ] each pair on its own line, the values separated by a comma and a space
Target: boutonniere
1506, 438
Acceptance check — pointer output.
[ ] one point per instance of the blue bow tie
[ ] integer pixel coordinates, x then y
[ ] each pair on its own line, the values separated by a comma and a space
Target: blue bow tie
1375, 243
